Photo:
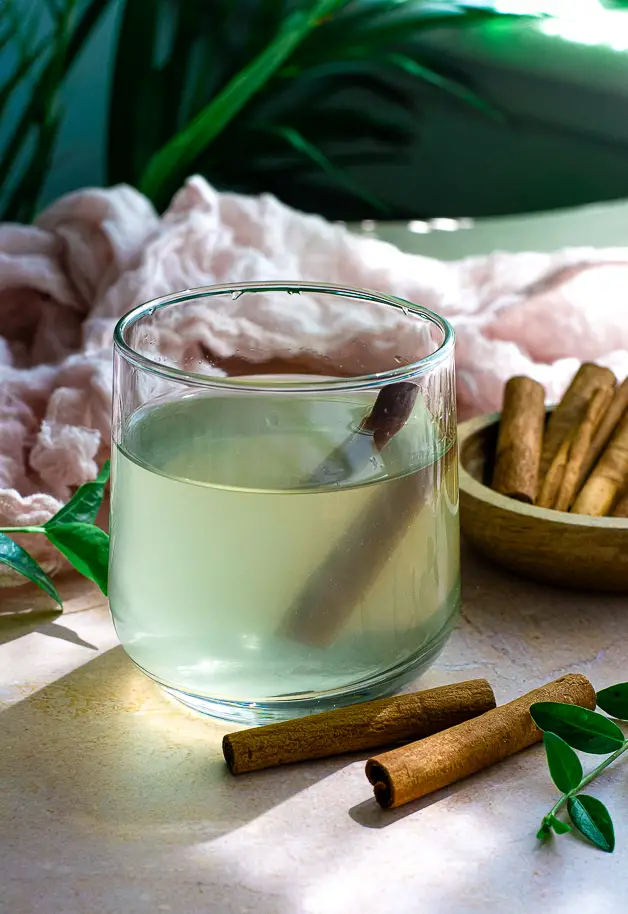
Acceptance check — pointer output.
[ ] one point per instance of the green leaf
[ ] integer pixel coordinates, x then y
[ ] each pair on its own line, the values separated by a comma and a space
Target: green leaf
580, 728
303, 146
614, 700
86, 547
17, 558
563, 763
593, 820
134, 123
172, 161
33, 138
453, 88
361, 30
560, 827
84, 505
23, 69
87, 21
544, 831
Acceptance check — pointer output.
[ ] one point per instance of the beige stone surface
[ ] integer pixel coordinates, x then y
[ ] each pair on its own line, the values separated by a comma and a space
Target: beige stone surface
116, 800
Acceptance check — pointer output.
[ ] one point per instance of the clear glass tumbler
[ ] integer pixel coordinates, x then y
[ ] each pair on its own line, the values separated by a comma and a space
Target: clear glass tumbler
284, 510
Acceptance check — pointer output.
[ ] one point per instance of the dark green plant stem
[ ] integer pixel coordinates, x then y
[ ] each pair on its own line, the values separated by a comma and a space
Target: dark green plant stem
583, 783
22, 530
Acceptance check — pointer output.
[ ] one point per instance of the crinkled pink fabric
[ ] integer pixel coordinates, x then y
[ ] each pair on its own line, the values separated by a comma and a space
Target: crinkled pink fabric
95, 254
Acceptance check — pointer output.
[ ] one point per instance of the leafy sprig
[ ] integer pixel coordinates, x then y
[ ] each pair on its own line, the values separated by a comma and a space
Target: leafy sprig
73, 532
568, 728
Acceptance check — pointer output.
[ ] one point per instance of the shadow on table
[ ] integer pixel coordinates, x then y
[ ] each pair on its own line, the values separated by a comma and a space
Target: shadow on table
102, 762
45, 622
28, 609
520, 631
111, 747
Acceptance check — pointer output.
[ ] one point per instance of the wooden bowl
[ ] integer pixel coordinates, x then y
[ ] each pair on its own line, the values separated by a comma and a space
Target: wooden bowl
572, 550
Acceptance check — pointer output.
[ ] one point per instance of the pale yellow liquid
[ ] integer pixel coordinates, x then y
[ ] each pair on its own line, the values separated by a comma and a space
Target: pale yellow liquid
218, 528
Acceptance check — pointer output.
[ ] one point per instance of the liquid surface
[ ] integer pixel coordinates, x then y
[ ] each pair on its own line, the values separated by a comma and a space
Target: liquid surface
263, 551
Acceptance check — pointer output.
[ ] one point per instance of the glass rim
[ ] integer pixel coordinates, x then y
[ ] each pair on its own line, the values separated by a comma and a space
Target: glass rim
195, 379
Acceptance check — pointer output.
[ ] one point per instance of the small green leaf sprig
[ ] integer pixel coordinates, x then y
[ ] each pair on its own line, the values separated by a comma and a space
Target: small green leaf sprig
73, 532
565, 729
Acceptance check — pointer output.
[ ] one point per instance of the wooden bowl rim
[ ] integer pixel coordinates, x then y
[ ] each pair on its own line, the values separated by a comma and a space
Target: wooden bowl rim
470, 486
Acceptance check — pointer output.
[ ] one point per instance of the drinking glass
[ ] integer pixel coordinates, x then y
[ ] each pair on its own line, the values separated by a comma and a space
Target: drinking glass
284, 507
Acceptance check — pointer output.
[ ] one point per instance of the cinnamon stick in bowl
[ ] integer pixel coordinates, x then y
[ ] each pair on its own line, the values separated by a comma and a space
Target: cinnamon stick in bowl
620, 508
520, 440
611, 419
571, 409
420, 768
384, 721
579, 447
608, 478
554, 476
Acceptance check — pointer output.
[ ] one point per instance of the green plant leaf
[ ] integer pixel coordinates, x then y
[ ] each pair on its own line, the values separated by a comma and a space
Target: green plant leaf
544, 831
453, 88
32, 140
22, 70
303, 146
22, 203
134, 129
614, 700
560, 827
593, 820
168, 165
86, 547
580, 728
563, 763
362, 30
17, 558
84, 505
88, 19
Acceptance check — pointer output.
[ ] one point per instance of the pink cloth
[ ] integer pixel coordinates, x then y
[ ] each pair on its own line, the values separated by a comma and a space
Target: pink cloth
95, 254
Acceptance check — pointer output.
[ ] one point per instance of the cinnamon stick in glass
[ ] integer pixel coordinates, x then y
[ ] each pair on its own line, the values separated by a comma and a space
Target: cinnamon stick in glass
420, 768
358, 727
520, 440
571, 409
608, 478
332, 592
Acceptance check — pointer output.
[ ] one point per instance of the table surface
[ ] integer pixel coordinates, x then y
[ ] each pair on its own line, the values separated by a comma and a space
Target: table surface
117, 799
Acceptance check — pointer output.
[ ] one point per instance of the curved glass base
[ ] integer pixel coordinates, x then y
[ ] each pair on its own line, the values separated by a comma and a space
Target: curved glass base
290, 706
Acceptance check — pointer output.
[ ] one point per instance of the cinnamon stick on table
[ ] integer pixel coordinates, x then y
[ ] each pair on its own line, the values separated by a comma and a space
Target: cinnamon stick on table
571, 409
520, 440
420, 768
362, 726
608, 478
